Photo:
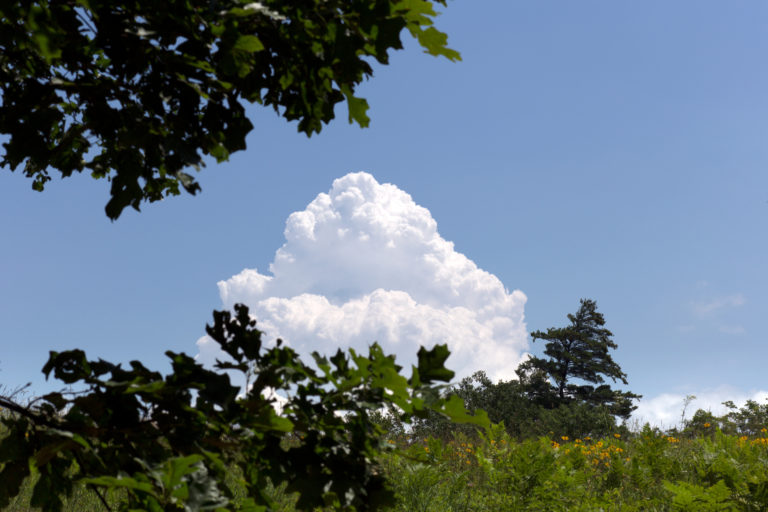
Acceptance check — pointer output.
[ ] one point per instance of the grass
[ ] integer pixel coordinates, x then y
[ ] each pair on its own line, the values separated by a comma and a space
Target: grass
644, 471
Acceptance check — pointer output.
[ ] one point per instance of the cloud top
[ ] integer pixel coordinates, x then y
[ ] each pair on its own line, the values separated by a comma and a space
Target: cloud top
365, 263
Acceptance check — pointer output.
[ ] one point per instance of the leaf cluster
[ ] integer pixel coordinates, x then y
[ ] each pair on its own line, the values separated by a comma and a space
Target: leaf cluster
169, 441
137, 92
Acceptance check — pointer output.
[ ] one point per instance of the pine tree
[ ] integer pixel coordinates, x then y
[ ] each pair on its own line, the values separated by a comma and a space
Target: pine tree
580, 352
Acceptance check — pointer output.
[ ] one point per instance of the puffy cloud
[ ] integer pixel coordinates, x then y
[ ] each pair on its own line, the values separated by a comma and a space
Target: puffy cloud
665, 410
365, 263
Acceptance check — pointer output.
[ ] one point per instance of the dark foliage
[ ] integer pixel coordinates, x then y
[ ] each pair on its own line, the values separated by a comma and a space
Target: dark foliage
168, 442
510, 403
137, 92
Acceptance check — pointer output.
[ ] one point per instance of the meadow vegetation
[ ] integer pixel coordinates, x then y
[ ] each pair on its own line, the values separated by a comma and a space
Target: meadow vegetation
134, 440
701, 466
643, 471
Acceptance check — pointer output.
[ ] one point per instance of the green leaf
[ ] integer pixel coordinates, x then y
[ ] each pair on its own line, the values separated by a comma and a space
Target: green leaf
432, 364
248, 44
44, 43
358, 108
172, 474
434, 43
456, 411
122, 482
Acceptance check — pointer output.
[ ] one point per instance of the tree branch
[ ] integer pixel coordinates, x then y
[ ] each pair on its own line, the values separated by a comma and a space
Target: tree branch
24, 411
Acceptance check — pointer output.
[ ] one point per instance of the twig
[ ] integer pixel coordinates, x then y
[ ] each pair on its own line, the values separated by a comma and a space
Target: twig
103, 500
36, 418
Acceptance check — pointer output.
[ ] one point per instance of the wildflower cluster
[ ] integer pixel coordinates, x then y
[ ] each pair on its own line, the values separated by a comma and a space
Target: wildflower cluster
757, 441
600, 453
461, 452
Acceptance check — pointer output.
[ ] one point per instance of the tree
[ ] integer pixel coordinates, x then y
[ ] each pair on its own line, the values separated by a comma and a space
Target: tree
579, 352
137, 92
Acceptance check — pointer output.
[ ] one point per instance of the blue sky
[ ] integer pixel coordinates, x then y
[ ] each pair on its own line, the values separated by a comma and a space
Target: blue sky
609, 150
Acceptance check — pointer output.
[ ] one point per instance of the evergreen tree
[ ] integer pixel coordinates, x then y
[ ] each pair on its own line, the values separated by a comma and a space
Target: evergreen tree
577, 365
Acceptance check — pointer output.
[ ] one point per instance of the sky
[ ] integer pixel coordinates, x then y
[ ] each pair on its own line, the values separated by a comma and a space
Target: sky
615, 151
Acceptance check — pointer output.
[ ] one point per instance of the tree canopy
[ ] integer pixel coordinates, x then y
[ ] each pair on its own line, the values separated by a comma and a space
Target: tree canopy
137, 92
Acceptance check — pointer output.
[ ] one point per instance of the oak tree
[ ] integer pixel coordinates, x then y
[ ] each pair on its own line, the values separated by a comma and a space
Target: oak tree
140, 92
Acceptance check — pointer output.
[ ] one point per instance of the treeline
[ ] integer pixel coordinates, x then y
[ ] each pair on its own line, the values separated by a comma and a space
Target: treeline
749, 420
565, 392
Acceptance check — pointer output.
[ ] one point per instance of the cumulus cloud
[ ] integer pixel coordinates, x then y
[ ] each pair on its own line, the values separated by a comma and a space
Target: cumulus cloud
365, 263
665, 411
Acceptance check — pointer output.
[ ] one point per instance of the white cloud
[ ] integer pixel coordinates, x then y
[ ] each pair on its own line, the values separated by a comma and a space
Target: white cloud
665, 410
365, 263
705, 308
